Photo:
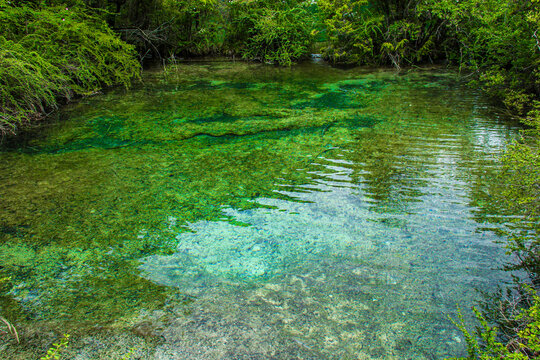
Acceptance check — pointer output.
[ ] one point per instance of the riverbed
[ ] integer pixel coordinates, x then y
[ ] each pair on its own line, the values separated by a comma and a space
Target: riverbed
227, 210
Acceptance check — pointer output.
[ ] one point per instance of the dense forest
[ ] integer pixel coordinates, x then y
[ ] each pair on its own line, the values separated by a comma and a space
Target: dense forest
52, 51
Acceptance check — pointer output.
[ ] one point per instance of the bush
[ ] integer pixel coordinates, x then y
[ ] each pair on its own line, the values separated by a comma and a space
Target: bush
496, 40
270, 31
47, 55
184, 27
352, 29
524, 345
380, 32
28, 85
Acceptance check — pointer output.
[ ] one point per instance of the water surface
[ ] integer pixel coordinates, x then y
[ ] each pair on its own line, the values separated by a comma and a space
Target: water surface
240, 211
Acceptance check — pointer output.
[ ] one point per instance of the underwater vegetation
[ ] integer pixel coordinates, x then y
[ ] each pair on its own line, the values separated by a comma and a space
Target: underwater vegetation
230, 210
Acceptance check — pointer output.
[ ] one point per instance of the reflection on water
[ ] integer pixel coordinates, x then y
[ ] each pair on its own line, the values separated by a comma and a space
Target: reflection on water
240, 211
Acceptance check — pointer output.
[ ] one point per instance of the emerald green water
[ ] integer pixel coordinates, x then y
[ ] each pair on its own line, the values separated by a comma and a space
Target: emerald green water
241, 211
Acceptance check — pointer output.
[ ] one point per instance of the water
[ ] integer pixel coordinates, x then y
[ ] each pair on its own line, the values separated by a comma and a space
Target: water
241, 211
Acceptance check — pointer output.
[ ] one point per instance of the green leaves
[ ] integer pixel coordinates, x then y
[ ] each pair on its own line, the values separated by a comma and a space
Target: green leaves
52, 54
28, 85
486, 345
378, 32
271, 32
352, 28
193, 27
55, 351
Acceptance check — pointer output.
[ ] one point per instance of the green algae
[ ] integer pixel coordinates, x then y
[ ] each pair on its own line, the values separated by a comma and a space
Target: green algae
256, 192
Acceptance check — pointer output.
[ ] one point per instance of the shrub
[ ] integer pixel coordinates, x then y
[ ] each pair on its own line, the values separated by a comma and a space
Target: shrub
524, 345
272, 32
28, 85
352, 29
52, 54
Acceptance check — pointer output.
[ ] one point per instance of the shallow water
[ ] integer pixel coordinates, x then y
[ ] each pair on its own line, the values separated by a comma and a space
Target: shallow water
241, 211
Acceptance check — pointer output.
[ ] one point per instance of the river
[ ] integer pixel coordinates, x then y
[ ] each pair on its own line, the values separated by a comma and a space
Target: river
227, 210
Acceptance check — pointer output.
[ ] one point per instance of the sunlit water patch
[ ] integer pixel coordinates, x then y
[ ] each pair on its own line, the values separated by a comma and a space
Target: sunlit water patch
240, 211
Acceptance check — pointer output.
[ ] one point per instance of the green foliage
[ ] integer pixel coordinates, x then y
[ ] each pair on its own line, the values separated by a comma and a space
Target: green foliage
353, 30
270, 31
167, 27
55, 351
28, 85
496, 38
4, 282
379, 32
80, 45
497, 41
522, 198
485, 344
51, 54
190, 27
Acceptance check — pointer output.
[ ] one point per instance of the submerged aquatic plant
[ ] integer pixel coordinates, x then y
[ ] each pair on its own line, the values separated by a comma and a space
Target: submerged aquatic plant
55, 351
218, 146
128, 355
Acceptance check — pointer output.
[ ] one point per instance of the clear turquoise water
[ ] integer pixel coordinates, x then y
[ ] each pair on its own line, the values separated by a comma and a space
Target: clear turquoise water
240, 211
